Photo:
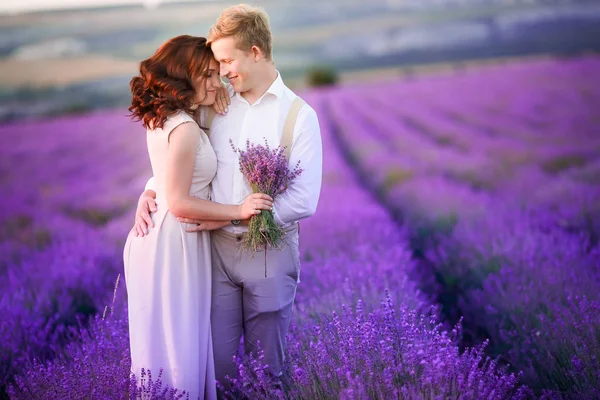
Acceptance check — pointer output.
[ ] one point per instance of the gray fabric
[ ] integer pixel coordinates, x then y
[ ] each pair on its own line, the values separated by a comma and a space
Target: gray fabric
245, 301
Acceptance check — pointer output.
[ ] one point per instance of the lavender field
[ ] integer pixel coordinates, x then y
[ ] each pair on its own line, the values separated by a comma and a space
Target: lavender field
454, 254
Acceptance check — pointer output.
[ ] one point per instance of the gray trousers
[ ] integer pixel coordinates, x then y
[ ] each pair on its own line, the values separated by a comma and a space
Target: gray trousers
245, 301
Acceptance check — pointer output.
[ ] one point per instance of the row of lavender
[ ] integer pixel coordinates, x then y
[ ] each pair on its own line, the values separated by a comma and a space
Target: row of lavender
361, 327
496, 175
68, 188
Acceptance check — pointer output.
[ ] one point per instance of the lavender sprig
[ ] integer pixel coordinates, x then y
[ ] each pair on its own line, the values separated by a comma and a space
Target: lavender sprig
267, 171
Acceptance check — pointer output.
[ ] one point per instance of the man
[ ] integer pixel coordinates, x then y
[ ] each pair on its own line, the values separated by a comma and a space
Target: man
254, 295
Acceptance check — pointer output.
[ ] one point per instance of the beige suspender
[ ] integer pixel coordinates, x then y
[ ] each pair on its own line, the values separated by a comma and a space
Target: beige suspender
288, 127
288, 130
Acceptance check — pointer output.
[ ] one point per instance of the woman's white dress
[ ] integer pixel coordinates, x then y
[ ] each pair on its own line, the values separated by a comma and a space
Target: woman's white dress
168, 276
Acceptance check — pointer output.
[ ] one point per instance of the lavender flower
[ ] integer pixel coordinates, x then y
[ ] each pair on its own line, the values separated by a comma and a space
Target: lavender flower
500, 222
266, 171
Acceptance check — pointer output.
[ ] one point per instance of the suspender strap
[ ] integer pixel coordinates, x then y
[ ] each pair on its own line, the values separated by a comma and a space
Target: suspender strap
288, 127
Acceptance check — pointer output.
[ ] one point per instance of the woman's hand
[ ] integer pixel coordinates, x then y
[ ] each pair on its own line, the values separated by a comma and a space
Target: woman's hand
254, 203
146, 205
222, 100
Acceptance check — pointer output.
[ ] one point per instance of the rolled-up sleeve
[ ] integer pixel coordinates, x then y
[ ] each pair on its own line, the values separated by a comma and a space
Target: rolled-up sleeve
302, 196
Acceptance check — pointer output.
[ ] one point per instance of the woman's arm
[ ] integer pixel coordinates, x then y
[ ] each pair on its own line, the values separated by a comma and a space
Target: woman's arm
183, 142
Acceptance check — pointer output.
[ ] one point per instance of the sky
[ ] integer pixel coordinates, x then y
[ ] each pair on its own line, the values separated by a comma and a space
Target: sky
18, 6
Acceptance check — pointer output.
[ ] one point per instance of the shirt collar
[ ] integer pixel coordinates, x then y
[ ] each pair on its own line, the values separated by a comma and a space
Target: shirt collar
275, 89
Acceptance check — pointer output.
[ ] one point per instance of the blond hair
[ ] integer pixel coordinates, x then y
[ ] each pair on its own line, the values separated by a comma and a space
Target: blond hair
248, 25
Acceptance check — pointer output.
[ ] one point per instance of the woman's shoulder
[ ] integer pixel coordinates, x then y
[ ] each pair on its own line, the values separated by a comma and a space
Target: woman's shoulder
174, 120
179, 117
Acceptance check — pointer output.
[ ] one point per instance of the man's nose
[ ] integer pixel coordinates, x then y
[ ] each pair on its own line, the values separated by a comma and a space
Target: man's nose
223, 70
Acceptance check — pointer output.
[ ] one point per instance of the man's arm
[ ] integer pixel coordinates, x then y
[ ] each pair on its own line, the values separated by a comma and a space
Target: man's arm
301, 197
146, 205
208, 225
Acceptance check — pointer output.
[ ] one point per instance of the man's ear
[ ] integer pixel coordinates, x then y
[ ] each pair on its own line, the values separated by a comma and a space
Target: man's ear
257, 53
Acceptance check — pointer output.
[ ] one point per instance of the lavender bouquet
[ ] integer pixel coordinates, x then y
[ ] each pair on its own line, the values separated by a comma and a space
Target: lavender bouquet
267, 171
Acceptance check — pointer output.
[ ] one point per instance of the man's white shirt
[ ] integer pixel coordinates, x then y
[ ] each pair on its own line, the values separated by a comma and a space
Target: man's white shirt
256, 123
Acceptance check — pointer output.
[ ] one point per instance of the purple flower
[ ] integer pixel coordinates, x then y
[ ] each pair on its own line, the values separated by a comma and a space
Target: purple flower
267, 171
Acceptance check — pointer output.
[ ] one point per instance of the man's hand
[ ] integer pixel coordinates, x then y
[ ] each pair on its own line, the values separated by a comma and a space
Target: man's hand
222, 100
207, 225
146, 205
203, 225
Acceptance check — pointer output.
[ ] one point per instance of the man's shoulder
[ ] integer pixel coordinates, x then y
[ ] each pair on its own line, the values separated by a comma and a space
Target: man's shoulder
307, 116
290, 95
306, 111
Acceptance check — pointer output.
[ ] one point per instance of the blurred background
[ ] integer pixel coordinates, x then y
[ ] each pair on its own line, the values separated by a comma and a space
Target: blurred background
66, 56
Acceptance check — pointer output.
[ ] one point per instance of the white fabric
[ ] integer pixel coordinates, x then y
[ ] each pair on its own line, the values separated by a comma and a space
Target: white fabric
168, 275
265, 119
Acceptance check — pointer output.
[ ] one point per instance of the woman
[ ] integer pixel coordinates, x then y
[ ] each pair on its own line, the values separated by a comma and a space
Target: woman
168, 270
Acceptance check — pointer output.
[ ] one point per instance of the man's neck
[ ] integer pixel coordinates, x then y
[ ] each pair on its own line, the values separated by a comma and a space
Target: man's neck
264, 83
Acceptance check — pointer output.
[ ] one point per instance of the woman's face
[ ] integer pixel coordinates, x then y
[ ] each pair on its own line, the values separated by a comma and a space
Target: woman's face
207, 85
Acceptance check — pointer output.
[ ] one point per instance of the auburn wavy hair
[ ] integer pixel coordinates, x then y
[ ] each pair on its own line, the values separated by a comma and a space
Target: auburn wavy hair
165, 84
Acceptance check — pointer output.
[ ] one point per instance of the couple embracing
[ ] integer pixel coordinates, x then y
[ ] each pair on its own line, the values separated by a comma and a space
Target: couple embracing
192, 292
